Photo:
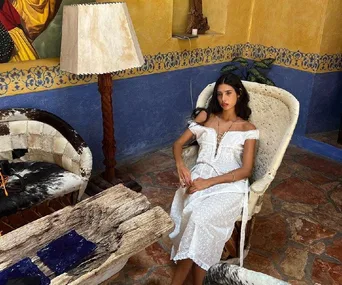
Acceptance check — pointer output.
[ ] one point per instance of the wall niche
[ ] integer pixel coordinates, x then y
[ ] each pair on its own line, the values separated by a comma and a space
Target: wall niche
214, 10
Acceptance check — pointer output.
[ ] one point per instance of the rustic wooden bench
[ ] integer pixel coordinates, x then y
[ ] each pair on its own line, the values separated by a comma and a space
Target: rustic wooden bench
120, 221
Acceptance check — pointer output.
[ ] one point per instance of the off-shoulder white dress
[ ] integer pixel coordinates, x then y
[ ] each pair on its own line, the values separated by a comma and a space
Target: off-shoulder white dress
204, 221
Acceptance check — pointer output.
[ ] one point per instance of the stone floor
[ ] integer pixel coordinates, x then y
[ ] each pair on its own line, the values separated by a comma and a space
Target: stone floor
297, 235
327, 137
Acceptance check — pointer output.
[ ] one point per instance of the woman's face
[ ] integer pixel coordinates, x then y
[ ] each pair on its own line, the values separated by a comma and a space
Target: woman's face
226, 96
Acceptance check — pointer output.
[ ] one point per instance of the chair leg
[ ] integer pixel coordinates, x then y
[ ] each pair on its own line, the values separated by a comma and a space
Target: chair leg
232, 246
74, 198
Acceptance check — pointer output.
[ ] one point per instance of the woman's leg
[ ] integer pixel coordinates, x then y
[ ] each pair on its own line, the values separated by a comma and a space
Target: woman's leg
198, 274
182, 270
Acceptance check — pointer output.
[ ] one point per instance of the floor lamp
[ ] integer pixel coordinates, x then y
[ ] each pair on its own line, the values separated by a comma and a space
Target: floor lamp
99, 38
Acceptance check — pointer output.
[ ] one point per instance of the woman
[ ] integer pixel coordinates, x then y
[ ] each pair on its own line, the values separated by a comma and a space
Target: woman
214, 193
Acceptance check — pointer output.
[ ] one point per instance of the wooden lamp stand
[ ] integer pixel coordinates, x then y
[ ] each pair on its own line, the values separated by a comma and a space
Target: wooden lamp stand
111, 175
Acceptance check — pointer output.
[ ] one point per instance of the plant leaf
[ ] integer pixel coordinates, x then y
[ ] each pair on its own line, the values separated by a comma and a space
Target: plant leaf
228, 68
268, 61
255, 72
251, 78
241, 60
269, 82
262, 65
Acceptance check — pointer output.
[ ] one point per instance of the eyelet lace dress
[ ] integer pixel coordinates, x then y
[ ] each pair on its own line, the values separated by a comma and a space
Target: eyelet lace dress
205, 220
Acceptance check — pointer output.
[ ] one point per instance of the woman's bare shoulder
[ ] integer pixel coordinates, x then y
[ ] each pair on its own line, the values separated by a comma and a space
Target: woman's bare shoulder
247, 126
201, 117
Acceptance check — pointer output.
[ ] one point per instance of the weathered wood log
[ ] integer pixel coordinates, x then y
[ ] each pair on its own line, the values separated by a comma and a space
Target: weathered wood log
120, 221
196, 20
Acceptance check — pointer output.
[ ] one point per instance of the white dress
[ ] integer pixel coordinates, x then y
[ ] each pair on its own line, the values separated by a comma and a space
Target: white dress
204, 221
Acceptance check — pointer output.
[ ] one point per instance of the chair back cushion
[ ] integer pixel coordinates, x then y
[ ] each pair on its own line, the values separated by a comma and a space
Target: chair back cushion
274, 113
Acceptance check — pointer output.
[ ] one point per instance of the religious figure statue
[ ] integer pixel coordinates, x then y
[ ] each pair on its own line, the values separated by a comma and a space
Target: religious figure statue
196, 20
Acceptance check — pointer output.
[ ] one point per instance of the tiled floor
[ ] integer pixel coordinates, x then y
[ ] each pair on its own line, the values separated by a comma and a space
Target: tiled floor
327, 137
297, 235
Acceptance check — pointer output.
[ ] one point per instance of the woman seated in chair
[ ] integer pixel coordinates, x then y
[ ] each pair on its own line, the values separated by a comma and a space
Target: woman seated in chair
215, 192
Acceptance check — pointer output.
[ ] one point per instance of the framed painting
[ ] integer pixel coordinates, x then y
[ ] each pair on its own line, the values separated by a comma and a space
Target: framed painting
30, 42
31, 29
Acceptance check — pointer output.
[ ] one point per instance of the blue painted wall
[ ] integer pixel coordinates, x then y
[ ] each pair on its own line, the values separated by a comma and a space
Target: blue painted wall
326, 103
149, 111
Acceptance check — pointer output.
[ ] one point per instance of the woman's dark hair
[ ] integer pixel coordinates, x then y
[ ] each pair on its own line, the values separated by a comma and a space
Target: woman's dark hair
6, 45
241, 108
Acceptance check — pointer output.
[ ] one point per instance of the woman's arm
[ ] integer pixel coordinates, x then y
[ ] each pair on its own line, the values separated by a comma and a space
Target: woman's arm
183, 172
238, 174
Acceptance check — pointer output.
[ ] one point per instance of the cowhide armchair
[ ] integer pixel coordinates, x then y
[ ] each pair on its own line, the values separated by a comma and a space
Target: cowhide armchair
46, 159
275, 113
227, 274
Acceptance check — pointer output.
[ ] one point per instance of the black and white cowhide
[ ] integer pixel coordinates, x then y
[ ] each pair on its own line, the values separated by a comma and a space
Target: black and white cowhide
228, 274
41, 181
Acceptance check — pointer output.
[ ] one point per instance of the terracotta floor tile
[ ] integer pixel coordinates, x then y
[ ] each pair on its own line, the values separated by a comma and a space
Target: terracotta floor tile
336, 196
326, 273
154, 162
329, 186
306, 232
294, 263
322, 165
315, 177
317, 248
327, 216
158, 254
159, 196
269, 233
298, 191
257, 262
168, 178
298, 208
335, 250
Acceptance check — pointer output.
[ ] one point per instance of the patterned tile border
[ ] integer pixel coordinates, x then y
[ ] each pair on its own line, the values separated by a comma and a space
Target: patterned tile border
39, 78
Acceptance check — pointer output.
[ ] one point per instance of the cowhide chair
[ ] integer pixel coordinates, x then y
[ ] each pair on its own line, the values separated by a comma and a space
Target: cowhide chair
226, 274
47, 161
275, 113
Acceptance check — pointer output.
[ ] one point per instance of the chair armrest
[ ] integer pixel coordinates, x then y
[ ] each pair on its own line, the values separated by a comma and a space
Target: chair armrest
258, 189
189, 155
260, 186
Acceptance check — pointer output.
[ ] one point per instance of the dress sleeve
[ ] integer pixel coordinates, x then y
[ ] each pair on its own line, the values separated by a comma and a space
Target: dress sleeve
193, 127
252, 135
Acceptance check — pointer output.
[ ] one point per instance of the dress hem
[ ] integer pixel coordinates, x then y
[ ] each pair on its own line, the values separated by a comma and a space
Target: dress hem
192, 257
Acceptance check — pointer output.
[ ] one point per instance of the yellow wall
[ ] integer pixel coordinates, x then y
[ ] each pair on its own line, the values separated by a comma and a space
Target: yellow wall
310, 26
238, 20
292, 24
237, 27
180, 16
332, 33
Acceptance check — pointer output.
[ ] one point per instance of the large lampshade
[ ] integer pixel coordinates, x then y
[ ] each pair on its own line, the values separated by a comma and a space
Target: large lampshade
98, 38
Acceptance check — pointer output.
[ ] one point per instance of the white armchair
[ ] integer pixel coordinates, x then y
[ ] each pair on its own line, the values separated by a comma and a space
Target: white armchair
275, 114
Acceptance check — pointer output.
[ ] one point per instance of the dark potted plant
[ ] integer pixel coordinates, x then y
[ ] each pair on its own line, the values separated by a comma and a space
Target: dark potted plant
249, 69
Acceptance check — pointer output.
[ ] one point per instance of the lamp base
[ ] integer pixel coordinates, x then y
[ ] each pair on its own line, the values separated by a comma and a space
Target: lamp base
98, 184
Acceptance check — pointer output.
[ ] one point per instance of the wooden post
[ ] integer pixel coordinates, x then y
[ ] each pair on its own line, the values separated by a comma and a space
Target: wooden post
196, 20
105, 84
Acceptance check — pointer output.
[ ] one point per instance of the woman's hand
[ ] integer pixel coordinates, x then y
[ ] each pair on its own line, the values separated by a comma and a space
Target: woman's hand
198, 185
184, 176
